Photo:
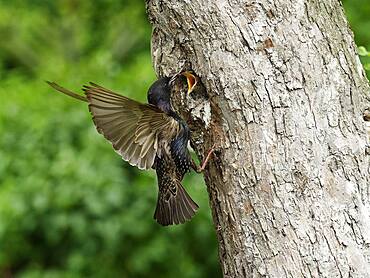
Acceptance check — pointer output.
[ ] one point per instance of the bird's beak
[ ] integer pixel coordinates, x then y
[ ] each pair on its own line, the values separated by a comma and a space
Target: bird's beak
191, 79
173, 78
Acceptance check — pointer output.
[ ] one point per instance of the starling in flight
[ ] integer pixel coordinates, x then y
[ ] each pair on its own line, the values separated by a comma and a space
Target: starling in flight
148, 136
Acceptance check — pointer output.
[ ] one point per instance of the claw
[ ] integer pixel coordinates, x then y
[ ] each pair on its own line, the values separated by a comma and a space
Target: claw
200, 169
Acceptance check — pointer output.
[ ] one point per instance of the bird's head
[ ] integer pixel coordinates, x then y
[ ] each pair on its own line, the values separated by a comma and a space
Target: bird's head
159, 93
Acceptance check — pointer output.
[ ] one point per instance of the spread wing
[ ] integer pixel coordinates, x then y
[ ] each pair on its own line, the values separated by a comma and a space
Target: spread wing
134, 129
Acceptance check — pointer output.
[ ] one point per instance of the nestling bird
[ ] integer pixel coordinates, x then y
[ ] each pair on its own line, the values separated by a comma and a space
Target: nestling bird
148, 136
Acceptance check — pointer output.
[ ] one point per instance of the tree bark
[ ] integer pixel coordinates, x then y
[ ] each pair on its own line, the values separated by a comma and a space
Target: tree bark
284, 95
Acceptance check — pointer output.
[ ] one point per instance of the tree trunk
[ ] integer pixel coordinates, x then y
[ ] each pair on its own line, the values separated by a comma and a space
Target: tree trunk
284, 95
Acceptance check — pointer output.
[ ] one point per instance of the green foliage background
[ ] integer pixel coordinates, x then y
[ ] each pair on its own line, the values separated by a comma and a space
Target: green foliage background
69, 206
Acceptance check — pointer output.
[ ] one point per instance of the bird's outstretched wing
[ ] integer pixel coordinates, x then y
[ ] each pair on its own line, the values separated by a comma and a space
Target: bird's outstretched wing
134, 129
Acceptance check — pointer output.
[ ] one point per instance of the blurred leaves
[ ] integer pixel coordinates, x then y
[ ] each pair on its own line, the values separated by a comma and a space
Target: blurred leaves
70, 207
362, 51
357, 12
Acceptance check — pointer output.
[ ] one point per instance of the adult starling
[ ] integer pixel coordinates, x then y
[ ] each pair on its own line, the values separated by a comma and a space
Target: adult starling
148, 136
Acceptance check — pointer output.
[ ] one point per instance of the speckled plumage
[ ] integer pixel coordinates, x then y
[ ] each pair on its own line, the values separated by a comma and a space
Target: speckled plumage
147, 136
174, 205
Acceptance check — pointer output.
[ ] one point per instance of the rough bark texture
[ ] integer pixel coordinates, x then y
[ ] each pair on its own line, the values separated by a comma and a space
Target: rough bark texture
284, 95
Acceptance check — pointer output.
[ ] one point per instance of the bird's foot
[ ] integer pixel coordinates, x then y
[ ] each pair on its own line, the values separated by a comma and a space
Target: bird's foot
200, 169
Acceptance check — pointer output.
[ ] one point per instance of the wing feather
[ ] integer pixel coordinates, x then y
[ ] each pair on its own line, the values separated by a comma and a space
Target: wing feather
133, 128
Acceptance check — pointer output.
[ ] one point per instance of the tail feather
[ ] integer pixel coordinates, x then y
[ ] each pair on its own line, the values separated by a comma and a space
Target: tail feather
174, 209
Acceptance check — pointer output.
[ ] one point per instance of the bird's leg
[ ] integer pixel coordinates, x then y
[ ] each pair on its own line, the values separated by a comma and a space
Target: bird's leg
200, 168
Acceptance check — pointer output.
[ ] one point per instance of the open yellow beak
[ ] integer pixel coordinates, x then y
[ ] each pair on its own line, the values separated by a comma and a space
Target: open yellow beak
191, 79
